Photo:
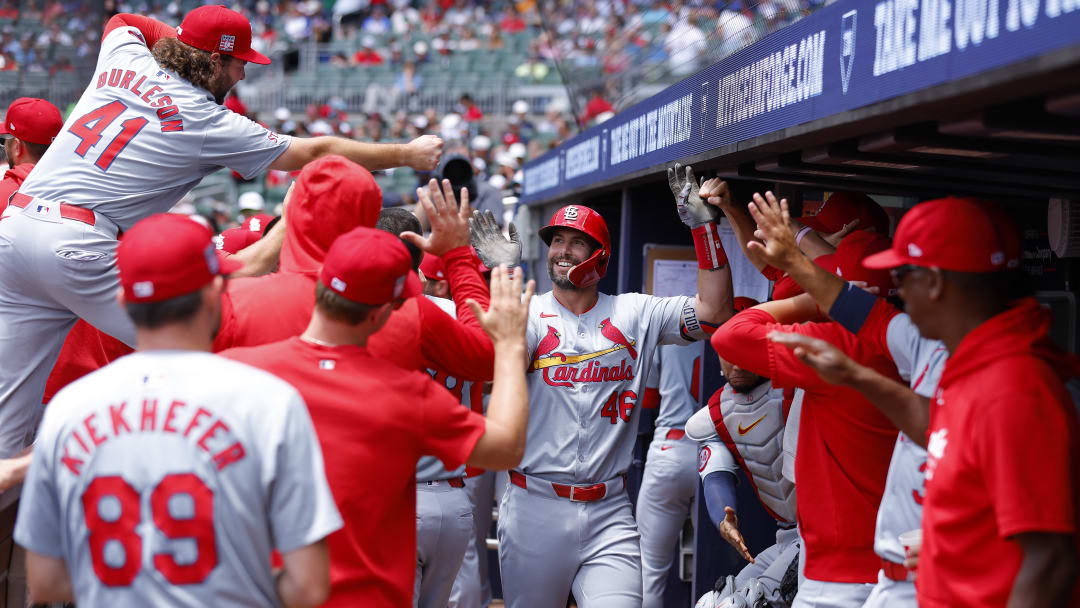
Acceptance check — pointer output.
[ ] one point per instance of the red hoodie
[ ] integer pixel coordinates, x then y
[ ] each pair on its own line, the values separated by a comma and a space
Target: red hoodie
330, 199
13, 178
1002, 459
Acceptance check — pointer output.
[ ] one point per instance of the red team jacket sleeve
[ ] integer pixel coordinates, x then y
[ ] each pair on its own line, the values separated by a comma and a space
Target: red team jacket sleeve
151, 29
461, 351
465, 283
1027, 485
451, 432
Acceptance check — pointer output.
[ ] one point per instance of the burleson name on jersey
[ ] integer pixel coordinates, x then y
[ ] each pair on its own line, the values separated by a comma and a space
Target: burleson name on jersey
125, 79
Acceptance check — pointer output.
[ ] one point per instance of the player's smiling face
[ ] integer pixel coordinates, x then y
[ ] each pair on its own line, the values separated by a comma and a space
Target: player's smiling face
568, 248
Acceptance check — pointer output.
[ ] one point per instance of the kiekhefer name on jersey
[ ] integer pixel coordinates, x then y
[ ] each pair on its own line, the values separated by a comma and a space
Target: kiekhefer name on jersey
202, 426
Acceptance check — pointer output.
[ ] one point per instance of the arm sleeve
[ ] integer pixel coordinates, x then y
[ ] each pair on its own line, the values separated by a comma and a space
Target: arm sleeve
237, 142
151, 29
465, 284
667, 314
719, 491
451, 432
852, 307
461, 351
1028, 475
302, 509
38, 525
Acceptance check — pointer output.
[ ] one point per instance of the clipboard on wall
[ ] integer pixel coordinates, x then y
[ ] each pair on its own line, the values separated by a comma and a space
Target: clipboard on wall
669, 270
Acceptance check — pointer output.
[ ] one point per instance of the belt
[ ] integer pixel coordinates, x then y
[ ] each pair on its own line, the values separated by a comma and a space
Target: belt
573, 493
453, 482
675, 434
67, 211
894, 571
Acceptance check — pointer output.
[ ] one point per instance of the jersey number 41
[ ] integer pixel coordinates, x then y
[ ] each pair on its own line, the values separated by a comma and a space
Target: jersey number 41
122, 528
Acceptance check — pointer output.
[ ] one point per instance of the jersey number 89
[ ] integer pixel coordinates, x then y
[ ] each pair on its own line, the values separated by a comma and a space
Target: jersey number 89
122, 528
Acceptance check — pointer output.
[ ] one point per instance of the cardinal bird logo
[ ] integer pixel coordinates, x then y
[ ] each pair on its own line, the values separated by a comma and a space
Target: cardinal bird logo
612, 333
549, 343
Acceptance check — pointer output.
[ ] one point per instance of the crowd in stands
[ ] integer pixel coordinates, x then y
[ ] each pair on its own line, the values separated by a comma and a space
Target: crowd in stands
48, 36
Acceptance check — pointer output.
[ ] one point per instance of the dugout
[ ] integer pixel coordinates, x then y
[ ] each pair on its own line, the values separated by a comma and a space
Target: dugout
901, 99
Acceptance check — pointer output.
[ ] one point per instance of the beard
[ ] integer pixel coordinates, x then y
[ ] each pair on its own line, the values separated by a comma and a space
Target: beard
562, 282
220, 87
745, 384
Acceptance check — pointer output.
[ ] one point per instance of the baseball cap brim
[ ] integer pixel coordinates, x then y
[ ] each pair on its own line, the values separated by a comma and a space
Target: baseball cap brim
814, 224
253, 56
886, 259
4, 129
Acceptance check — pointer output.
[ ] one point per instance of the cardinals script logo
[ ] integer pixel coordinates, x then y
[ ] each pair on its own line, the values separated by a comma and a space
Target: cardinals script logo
560, 369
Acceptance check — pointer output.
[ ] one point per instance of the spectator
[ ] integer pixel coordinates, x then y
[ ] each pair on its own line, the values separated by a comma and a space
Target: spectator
367, 55
420, 52
468, 41
495, 41
470, 112
377, 23
596, 106
735, 31
685, 44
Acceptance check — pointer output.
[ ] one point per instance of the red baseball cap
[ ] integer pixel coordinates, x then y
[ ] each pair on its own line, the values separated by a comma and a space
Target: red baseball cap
786, 287
216, 29
370, 266
849, 256
235, 239
432, 266
257, 223
843, 207
34, 120
959, 234
168, 255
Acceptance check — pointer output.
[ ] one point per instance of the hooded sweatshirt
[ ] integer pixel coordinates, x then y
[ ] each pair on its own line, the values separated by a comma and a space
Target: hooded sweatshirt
13, 178
332, 196
1002, 458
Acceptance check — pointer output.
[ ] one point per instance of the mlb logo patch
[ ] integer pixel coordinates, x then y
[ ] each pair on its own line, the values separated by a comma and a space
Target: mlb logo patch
228, 43
143, 289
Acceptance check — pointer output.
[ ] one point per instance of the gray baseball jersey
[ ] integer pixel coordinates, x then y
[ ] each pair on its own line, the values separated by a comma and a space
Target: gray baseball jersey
746, 430
429, 468
166, 479
668, 484
920, 361
676, 376
586, 381
141, 137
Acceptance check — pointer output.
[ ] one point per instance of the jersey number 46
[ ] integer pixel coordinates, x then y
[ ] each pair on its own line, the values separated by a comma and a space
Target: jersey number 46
122, 528
619, 406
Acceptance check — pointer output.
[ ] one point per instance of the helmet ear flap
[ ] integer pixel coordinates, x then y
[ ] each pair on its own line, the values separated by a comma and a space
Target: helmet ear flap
591, 270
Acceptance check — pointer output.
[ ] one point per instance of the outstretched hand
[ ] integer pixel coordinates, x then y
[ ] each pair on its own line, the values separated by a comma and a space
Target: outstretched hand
491, 246
778, 247
692, 209
507, 315
829, 362
729, 531
449, 223
835, 238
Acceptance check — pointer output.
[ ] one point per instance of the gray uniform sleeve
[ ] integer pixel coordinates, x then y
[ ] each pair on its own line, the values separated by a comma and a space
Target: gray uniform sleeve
38, 525
240, 144
302, 509
903, 339
666, 314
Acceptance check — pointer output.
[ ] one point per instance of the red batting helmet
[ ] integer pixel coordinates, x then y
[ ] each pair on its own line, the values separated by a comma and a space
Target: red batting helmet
580, 217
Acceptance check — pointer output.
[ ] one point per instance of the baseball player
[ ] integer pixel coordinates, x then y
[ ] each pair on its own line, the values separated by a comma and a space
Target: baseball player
167, 477
844, 444
953, 261
146, 130
668, 485
250, 204
743, 427
918, 360
28, 129
444, 512
565, 520
402, 413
